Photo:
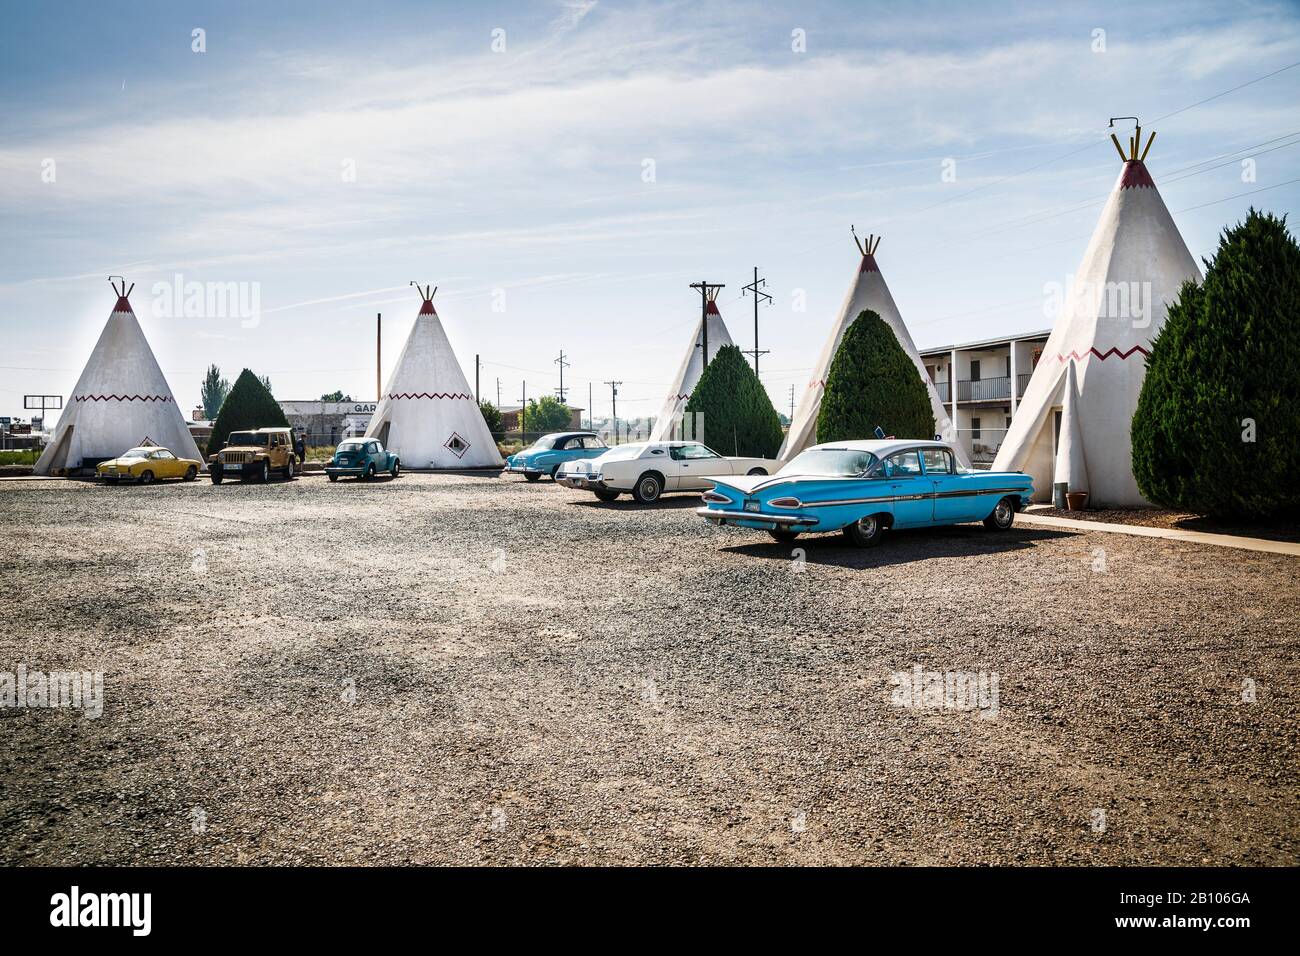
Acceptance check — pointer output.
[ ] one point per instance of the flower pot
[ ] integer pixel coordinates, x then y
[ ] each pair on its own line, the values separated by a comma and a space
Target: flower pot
1076, 500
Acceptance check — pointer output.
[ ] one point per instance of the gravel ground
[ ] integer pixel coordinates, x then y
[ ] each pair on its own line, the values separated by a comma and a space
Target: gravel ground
450, 669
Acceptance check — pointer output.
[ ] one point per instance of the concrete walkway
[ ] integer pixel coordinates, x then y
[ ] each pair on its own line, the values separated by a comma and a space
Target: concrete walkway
1173, 534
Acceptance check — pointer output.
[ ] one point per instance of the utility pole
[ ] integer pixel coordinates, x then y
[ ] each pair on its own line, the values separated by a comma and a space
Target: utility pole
523, 412
498, 393
379, 356
477, 366
613, 398
705, 298
791, 404
756, 287
563, 365
591, 421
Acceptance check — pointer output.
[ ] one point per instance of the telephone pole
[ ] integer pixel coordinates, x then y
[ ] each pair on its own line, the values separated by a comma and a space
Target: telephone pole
477, 365
705, 288
379, 356
591, 421
498, 393
756, 287
563, 365
613, 398
523, 411
791, 404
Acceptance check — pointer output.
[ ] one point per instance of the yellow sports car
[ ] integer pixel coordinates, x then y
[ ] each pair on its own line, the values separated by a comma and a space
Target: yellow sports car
147, 464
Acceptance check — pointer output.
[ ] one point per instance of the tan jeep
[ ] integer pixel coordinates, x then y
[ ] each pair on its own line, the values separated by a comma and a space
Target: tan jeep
254, 454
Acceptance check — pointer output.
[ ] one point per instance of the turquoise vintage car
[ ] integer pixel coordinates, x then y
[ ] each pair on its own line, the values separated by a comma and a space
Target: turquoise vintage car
865, 488
362, 458
548, 453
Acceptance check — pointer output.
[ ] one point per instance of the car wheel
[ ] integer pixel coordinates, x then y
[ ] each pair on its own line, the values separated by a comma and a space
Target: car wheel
757, 471
866, 532
370, 470
555, 471
396, 469
215, 475
1002, 517
648, 488
288, 470
191, 473
333, 477
265, 474
146, 477
785, 537
606, 494
531, 477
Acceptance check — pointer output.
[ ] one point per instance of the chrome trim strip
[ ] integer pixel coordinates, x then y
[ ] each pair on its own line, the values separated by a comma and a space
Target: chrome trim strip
714, 514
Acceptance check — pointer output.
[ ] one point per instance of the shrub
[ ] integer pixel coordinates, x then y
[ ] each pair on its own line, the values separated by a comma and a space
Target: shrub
734, 414
1217, 423
249, 405
873, 382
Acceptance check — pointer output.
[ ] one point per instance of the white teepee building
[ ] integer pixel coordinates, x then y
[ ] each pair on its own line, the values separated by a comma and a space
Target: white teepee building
669, 422
868, 292
121, 400
1072, 425
427, 414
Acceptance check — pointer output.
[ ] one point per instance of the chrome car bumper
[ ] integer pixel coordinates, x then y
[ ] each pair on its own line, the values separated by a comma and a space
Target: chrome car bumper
344, 470
719, 516
524, 470
569, 480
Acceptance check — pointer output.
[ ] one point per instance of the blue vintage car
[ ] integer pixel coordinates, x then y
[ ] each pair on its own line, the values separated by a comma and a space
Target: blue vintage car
362, 458
548, 453
865, 488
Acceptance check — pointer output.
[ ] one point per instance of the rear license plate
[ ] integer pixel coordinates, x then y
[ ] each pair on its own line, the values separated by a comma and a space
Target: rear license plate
751, 505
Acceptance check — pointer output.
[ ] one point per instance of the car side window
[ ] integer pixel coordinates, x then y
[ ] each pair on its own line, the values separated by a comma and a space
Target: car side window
699, 451
372, 448
591, 441
904, 464
677, 452
572, 443
938, 461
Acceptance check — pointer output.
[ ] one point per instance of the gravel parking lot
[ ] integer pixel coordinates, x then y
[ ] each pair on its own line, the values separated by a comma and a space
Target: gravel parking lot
453, 669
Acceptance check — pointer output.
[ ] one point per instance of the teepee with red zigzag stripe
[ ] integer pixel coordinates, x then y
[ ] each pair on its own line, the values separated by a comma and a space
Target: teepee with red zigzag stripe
427, 415
1071, 430
121, 400
868, 292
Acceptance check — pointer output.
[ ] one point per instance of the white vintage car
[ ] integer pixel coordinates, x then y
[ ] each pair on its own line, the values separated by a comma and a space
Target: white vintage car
650, 469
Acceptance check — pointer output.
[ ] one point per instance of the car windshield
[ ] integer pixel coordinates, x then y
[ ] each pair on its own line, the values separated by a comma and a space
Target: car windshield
351, 446
246, 438
831, 462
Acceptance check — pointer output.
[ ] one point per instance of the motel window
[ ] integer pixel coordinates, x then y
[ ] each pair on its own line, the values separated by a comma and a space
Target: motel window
1008, 366
974, 370
975, 427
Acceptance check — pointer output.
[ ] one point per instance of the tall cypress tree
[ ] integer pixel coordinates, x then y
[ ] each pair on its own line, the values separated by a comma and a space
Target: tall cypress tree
249, 405
1217, 426
873, 382
734, 414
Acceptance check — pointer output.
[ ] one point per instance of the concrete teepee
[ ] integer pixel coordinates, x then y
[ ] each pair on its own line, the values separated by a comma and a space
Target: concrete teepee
1072, 426
427, 414
867, 292
121, 400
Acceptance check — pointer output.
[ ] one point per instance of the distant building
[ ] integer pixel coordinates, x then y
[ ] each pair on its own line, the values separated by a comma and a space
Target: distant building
990, 377
510, 418
328, 423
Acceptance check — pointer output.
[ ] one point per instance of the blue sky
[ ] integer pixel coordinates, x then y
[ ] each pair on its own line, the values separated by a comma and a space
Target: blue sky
515, 180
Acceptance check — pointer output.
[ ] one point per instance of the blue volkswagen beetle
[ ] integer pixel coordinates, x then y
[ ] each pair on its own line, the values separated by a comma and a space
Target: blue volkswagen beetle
548, 453
864, 488
362, 458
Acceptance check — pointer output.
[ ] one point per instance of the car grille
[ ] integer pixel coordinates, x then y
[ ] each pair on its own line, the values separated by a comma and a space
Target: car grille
236, 458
